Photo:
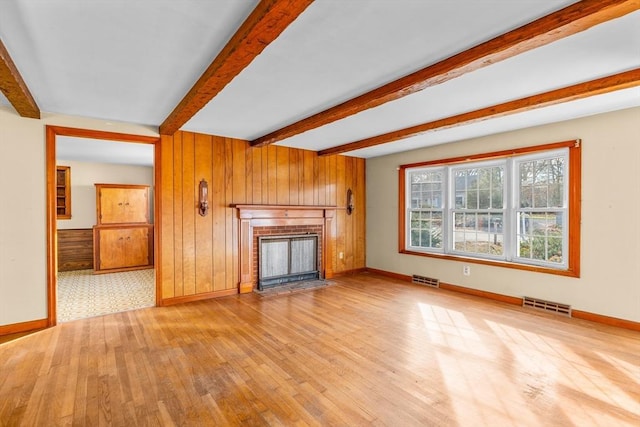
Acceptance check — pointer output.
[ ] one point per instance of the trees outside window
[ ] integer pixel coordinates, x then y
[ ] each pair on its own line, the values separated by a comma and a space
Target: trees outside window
508, 208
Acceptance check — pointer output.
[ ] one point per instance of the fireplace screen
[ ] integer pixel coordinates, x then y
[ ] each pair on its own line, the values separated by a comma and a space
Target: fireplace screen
284, 259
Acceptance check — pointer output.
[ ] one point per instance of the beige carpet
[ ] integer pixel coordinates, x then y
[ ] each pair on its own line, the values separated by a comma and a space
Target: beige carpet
83, 294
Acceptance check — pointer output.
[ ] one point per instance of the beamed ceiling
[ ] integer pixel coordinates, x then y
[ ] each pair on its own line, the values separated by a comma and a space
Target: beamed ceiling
364, 78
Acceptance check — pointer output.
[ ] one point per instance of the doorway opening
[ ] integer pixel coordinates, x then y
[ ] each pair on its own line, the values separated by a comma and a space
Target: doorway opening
79, 243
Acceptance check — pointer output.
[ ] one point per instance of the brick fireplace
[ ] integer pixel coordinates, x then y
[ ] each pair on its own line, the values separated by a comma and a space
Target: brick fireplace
274, 220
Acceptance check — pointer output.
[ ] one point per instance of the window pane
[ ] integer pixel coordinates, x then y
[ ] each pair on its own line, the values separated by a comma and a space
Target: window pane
479, 233
479, 188
541, 183
426, 229
426, 189
485, 199
540, 236
519, 200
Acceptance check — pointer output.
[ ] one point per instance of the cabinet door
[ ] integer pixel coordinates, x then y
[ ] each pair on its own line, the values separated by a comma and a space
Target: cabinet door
112, 248
123, 205
136, 247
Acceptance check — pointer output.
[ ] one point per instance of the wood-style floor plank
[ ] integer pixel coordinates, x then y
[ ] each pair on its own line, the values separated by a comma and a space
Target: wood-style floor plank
365, 351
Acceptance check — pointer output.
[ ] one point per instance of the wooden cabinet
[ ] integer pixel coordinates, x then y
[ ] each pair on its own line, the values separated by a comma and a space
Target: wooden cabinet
63, 192
122, 204
123, 247
123, 237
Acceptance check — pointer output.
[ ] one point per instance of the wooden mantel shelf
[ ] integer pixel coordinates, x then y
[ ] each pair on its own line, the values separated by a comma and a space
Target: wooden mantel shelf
250, 216
281, 211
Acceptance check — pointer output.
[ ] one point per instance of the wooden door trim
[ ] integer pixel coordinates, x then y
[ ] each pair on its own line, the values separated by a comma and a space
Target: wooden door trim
52, 231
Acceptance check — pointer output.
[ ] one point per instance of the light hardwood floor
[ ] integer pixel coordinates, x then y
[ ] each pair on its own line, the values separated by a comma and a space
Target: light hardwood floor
366, 351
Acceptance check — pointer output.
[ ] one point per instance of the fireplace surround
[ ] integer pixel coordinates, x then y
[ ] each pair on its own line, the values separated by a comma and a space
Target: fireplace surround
277, 220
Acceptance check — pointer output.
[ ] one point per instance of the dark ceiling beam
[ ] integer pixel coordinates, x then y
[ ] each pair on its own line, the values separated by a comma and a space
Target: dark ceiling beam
267, 21
571, 93
555, 26
14, 88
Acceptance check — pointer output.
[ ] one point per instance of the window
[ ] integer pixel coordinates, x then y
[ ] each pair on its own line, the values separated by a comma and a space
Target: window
518, 209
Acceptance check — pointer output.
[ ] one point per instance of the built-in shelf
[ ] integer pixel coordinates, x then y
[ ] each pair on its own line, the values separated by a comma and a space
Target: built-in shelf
63, 192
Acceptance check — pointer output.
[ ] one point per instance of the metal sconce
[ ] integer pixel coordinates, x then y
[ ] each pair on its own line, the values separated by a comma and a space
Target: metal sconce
350, 205
203, 207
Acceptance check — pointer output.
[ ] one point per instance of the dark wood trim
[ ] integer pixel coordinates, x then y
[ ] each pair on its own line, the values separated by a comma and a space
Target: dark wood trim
606, 320
402, 231
198, 297
483, 294
100, 134
350, 272
31, 325
157, 220
14, 88
52, 232
492, 155
571, 93
555, 26
513, 265
267, 21
577, 314
52, 227
397, 276
573, 263
575, 207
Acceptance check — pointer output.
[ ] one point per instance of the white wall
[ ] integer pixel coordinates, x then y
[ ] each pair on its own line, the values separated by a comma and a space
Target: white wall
23, 285
610, 248
83, 192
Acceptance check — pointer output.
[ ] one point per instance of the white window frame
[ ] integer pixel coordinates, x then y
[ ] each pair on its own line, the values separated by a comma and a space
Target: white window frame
510, 210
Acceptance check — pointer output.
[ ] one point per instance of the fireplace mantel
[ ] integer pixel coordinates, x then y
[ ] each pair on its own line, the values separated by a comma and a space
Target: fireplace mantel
250, 216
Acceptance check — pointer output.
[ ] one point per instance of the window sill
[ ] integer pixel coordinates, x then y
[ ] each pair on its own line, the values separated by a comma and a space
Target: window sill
535, 268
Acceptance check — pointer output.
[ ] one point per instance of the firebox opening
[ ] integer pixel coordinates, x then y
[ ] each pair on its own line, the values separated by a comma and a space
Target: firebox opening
285, 259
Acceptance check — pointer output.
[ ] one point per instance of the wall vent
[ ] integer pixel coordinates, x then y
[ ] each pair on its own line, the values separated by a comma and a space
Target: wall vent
553, 307
427, 281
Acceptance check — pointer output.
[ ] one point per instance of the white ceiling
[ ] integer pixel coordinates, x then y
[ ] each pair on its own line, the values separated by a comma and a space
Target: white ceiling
103, 151
134, 60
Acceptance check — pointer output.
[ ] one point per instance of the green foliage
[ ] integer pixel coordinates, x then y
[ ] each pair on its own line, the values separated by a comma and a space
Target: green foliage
545, 244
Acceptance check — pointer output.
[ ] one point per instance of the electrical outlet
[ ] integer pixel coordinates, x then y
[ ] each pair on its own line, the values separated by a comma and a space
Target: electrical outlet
466, 270
341, 255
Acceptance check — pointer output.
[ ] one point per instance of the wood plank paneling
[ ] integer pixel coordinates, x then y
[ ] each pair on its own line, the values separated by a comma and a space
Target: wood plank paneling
218, 215
282, 175
200, 254
75, 249
166, 243
189, 190
360, 214
229, 217
178, 195
271, 175
294, 177
256, 155
309, 157
203, 224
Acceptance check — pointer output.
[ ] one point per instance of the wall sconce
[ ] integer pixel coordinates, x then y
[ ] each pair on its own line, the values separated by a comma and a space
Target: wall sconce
350, 204
204, 195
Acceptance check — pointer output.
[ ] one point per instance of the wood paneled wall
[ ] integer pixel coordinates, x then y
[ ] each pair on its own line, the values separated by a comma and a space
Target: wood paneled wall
199, 255
75, 249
